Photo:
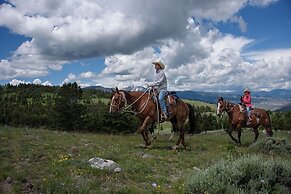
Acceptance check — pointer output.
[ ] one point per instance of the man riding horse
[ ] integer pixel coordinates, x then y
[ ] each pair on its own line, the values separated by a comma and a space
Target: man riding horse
160, 84
148, 109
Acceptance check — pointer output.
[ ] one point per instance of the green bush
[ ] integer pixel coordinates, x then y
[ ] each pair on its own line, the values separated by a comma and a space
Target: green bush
120, 123
272, 145
249, 174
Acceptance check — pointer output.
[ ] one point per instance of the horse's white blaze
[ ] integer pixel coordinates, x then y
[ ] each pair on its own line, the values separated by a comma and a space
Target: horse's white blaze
110, 109
218, 108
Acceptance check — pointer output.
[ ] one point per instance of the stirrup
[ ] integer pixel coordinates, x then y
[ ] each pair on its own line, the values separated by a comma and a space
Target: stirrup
164, 117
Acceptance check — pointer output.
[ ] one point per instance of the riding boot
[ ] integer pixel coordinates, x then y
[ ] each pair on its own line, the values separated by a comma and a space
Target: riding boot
164, 117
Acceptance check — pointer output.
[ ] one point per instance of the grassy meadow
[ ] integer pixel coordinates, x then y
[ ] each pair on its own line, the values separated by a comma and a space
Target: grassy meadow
46, 161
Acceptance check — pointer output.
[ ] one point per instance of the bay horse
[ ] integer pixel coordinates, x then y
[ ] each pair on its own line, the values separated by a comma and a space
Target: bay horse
145, 106
238, 119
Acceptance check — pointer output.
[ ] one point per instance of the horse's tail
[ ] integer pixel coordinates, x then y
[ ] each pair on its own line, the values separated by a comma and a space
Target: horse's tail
192, 118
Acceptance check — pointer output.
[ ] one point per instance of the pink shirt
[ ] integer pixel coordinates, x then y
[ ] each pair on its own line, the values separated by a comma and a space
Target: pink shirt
247, 100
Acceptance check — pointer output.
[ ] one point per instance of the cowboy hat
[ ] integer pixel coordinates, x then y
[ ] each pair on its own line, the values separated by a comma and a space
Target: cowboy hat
160, 63
247, 90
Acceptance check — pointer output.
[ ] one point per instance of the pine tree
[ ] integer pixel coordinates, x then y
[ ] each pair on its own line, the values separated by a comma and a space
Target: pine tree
68, 108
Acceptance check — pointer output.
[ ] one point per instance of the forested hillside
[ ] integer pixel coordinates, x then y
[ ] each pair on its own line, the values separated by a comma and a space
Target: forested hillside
71, 108
66, 108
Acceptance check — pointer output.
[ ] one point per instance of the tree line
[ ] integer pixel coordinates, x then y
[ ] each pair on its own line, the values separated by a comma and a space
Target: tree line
71, 108
68, 108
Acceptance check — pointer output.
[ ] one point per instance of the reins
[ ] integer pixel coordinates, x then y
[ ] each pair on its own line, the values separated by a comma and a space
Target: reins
227, 110
158, 112
144, 105
228, 106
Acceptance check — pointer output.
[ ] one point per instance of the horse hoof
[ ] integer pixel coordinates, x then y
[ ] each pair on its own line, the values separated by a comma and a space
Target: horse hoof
174, 147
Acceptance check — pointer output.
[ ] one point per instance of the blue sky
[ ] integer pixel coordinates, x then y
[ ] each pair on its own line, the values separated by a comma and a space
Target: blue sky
212, 45
270, 25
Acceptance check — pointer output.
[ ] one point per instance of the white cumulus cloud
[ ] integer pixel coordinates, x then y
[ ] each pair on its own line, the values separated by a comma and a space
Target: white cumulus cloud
130, 34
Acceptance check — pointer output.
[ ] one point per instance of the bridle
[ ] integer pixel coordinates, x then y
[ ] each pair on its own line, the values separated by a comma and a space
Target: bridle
121, 98
225, 107
152, 93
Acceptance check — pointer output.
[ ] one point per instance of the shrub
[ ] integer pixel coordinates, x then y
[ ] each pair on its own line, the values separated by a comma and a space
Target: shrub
272, 146
120, 123
248, 174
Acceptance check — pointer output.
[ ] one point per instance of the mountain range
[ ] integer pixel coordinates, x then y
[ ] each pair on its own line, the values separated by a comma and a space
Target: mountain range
272, 100
278, 99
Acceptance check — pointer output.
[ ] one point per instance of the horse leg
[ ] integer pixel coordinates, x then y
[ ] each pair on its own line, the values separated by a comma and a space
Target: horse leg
143, 130
147, 142
239, 129
181, 137
229, 132
239, 135
174, 128
147, 136
151, 131
255, 129
182, 132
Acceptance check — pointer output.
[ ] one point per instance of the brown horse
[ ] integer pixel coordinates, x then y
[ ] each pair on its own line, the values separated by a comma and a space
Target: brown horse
238, 119
145, 107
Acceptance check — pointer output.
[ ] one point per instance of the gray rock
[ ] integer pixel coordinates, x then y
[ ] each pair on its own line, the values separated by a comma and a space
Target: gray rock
104, 164
117, 169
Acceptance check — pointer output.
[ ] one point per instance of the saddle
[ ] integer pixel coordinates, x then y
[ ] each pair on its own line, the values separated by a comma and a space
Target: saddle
243, 110
171, 99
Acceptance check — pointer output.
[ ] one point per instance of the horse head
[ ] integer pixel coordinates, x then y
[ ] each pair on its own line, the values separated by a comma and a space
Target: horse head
118, 101
221, 106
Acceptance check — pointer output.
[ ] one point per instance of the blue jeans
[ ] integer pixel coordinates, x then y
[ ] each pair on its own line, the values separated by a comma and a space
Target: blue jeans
162, 96
248, 110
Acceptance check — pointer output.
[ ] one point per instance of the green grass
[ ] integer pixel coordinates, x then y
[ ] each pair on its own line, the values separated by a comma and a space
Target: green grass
103, 100
200, 103
45, 161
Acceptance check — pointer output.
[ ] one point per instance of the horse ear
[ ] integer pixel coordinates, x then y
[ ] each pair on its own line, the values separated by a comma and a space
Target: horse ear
117, 90
220, 98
